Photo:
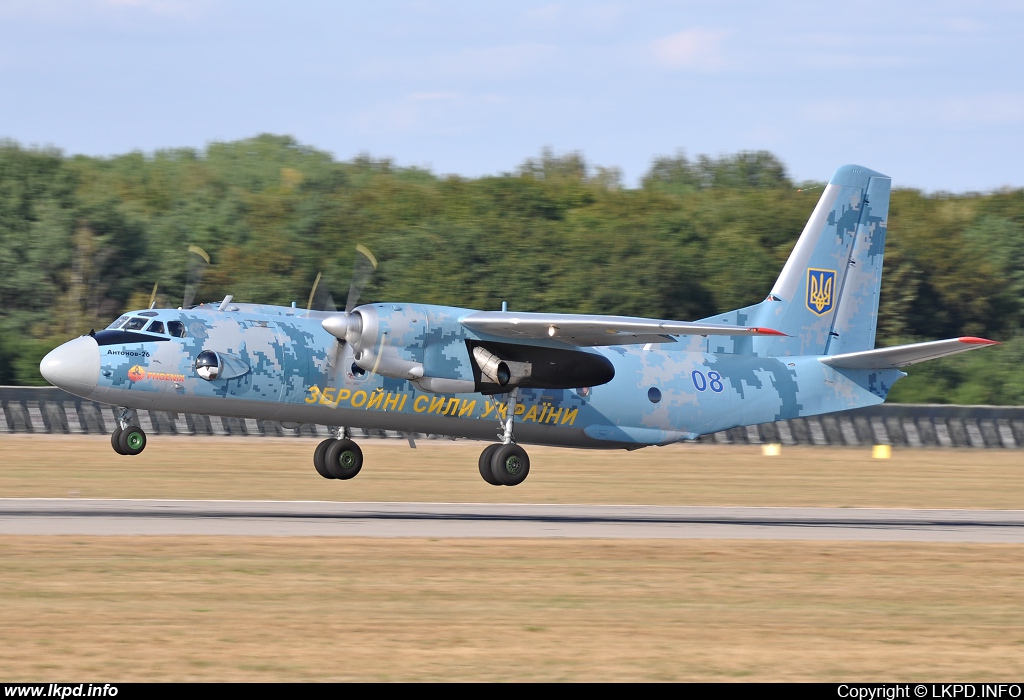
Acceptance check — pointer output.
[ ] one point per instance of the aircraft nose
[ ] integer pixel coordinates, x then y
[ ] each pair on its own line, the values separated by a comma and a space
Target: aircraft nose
74, 366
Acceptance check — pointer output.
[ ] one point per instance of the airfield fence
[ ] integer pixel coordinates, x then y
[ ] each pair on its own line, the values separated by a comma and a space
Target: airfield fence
52, 410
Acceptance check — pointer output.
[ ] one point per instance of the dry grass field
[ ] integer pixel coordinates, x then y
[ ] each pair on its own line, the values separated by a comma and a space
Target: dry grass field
274, 609
446, 471
270, 609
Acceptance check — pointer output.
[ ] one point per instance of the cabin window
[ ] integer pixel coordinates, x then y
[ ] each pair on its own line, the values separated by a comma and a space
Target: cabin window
156, 327
135, 324
117, 323
176, 329
654, 394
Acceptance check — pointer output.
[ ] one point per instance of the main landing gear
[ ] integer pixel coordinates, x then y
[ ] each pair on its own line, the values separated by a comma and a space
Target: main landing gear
505, 463
338, 458
128, 439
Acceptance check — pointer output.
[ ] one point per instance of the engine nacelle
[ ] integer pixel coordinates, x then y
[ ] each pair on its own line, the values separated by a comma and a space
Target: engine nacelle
498, 367
385, 340
388, 362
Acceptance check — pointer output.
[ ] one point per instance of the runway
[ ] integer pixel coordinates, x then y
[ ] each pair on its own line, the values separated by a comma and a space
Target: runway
74, 516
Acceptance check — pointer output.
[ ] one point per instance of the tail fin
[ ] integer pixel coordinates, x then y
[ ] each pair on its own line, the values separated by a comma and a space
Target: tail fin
826, 299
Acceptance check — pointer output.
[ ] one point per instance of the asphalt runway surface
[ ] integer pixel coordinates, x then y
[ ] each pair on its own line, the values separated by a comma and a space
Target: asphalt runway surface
81, 516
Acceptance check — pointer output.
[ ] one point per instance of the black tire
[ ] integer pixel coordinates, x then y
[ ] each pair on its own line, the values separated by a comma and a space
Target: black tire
132, 440
510, 464
343, 459
485, 464
318, 458
115, 440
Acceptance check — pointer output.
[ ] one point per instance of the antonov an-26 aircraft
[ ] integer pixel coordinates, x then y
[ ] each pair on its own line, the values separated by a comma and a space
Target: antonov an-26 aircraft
542, 378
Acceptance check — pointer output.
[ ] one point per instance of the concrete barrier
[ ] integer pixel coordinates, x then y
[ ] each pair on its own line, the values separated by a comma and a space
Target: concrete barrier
52, 410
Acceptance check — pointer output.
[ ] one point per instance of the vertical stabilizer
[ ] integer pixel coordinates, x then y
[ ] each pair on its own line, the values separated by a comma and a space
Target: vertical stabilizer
826, 299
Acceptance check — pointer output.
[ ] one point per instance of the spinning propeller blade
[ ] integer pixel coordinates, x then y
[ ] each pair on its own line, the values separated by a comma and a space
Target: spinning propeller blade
362, 269
347, 326
319, 296
198, 261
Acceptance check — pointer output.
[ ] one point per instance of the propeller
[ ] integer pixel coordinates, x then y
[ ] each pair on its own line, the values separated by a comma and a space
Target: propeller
320, 297
348, 326
362, 269
198, 261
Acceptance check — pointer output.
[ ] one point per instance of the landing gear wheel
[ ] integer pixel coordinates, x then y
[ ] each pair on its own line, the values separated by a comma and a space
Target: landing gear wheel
132, 440
510, 464
318, 458
485, 464
343, 459
115, 440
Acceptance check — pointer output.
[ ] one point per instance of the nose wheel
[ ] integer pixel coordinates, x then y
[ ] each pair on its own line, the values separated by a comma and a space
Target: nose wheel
127, 439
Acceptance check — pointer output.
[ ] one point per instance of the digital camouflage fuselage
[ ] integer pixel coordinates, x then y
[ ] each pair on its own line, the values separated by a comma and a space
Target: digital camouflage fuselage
562, 379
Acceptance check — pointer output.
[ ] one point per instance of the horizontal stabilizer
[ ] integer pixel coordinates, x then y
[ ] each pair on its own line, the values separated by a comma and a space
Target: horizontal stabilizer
586, 330
903, 355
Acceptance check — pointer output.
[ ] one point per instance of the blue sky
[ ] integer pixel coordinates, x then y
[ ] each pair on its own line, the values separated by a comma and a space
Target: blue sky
931, 93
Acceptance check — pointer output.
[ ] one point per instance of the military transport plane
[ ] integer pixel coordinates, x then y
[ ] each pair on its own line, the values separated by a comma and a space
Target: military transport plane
515, 377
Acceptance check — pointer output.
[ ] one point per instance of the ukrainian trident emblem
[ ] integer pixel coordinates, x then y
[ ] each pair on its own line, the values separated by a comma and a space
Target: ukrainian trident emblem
821, 285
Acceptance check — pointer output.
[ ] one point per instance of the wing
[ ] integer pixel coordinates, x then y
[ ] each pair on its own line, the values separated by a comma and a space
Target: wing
582, 329
903, 355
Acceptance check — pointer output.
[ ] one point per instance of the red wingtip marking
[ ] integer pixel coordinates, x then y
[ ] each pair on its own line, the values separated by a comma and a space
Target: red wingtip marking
971, 340
768, 331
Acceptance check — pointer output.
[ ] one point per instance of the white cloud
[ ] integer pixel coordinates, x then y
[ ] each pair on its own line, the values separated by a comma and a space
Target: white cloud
66, 11
425, 96
692, 49
471, 63
587, 16
993, 109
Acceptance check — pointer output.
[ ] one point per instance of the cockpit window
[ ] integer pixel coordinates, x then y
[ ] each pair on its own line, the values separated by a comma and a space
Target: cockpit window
135, 324
118, 322
156, 327
176, 329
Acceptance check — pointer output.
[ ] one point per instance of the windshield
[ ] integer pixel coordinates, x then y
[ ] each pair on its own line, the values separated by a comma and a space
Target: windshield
135, 324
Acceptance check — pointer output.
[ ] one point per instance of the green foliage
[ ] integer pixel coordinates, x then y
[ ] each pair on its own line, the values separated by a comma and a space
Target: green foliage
82, 239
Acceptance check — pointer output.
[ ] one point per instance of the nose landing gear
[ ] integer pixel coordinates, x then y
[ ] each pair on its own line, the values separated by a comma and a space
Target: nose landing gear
128, 439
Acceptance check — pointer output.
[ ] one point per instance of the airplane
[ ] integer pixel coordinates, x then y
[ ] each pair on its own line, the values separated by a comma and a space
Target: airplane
515, 378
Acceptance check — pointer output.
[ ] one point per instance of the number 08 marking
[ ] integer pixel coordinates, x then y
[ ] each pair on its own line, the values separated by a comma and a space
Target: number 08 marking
701, 383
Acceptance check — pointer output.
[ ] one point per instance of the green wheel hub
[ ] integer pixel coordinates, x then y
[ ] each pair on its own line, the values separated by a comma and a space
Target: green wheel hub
134, 441
513, 464
347, 459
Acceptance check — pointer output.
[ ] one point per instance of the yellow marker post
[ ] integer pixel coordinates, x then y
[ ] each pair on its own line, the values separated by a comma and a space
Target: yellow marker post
881, 452
771, 449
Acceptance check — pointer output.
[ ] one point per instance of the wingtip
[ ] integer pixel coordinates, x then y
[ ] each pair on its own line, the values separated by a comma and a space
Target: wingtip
971, 340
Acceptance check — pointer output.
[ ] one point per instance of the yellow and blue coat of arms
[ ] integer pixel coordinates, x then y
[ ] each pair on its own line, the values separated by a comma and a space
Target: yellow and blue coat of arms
821, 290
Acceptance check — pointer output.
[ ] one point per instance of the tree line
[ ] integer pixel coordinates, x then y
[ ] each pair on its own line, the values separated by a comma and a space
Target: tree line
84, 238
